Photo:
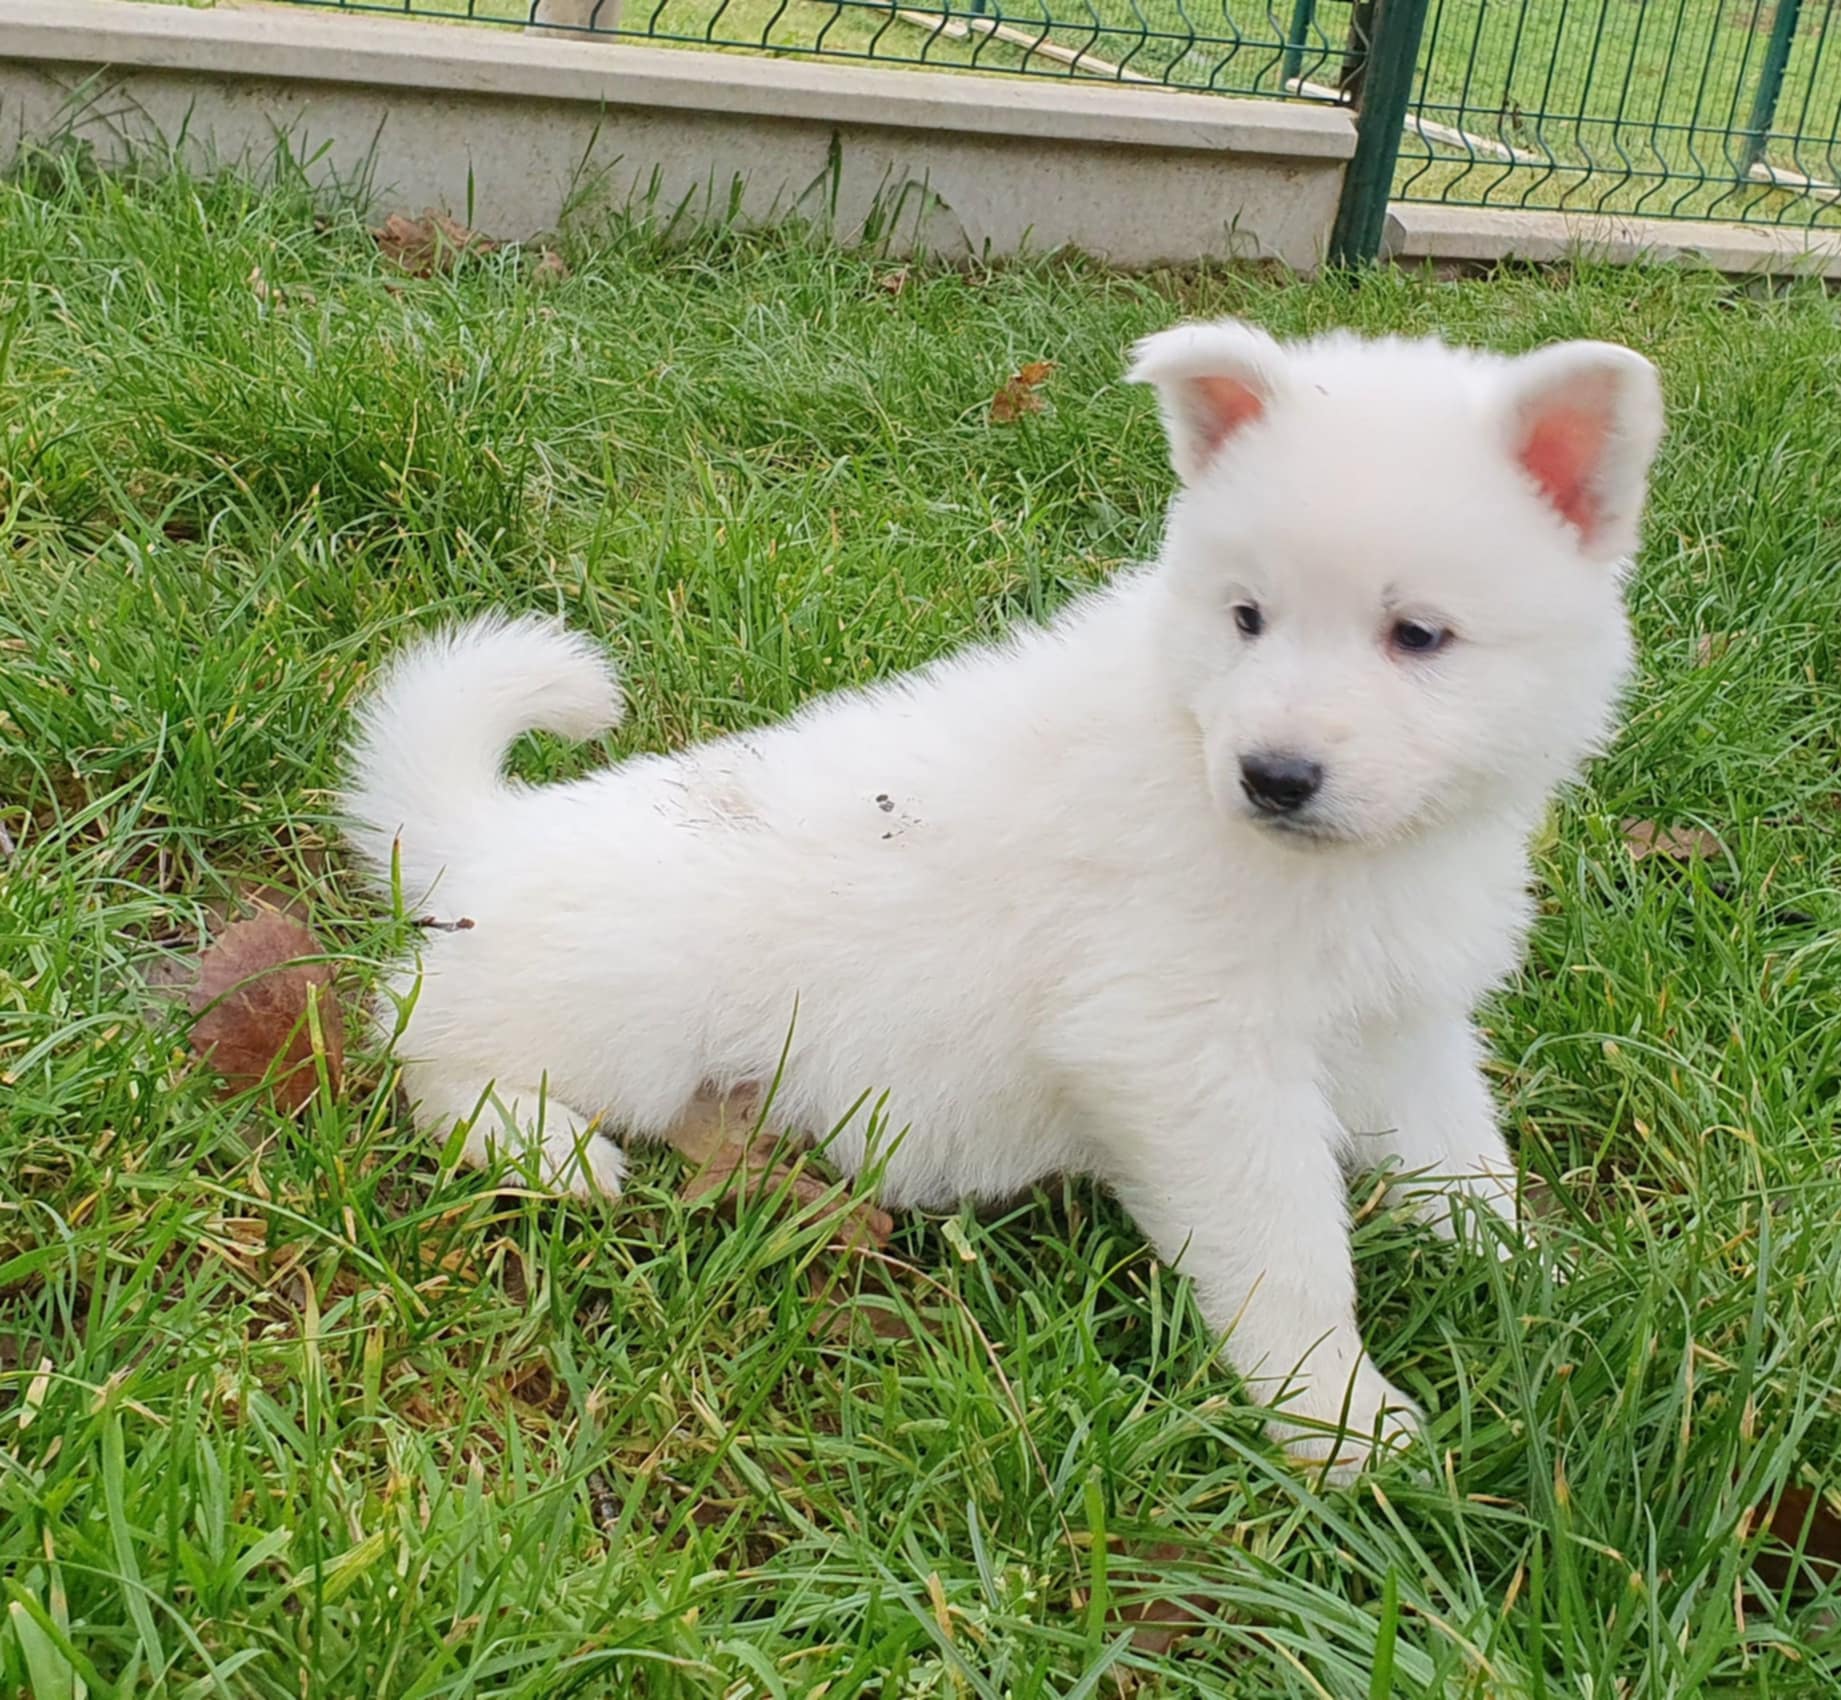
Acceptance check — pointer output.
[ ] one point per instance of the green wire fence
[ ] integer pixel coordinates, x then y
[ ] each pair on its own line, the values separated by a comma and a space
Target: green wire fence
1723, 109
1223, 46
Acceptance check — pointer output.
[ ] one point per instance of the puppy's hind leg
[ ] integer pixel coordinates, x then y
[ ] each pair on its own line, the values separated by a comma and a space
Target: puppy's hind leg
513, 1125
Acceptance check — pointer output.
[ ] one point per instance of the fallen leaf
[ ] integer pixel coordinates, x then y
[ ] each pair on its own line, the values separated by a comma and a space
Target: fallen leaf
535, 1384
721, 1133
1158, 1624
429, 244
1017, 395
714, 1121
173, 974
893, 283
1647, 838
836, 1319
251, 1001
1800, 1520
750, 1170
1711, 647
550, 268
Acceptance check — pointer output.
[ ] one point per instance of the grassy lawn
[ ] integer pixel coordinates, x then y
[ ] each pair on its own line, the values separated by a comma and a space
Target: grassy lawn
288, 1410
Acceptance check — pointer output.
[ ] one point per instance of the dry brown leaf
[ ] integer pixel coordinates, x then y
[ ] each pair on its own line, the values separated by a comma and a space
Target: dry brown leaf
429, 244
252, 999
836, 1318
1158, 1624
1017, 395
173, 974
893, 283
1800, 1518
737, 1169
1711, 647
550, 268
715, 1120
720, 1133
886, 1324
1648, 838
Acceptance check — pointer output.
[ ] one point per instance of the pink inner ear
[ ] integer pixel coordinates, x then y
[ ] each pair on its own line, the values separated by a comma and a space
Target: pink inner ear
1562, 451
1223, 405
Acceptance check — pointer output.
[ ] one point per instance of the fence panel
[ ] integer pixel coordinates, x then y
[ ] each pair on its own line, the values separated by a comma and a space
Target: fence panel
1722, 109
1225, 46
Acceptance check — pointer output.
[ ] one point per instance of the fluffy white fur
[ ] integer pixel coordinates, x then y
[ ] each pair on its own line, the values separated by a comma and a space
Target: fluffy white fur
1023, 893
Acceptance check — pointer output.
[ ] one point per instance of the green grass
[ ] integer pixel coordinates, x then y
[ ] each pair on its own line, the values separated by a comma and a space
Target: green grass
286, 1410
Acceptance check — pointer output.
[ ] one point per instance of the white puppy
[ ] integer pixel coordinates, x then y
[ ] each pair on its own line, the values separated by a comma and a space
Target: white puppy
1193, 891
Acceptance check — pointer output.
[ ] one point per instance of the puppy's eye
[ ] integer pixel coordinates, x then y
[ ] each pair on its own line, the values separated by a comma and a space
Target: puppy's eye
1248, 619
1416, 637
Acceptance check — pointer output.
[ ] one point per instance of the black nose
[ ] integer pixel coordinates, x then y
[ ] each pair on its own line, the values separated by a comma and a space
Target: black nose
1276, 785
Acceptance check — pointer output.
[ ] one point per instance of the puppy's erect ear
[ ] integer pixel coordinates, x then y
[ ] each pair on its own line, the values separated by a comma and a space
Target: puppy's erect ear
1212, 382
1584, 422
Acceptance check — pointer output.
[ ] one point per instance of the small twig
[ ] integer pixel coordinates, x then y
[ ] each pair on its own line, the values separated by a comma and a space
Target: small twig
463, 925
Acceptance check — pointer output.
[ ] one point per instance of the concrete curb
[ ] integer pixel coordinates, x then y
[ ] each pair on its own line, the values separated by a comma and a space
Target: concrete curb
1484, 235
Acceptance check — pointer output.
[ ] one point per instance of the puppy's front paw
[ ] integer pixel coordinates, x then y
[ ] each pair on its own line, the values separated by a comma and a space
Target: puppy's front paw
1344, 1431
1459, 1208
526, 1135
578, 1160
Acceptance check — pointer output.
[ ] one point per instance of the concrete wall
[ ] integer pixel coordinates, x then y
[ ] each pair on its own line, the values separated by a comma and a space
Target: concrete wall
520, 132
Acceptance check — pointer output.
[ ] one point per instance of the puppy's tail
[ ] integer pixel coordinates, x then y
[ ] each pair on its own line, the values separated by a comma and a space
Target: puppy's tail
431, 739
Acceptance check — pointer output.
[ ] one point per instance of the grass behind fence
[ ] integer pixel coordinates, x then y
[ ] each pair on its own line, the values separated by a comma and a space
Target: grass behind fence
1622, 107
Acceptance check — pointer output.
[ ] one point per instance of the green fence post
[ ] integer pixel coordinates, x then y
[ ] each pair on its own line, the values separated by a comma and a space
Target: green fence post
1770, 83
1296, 40
1386, 89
